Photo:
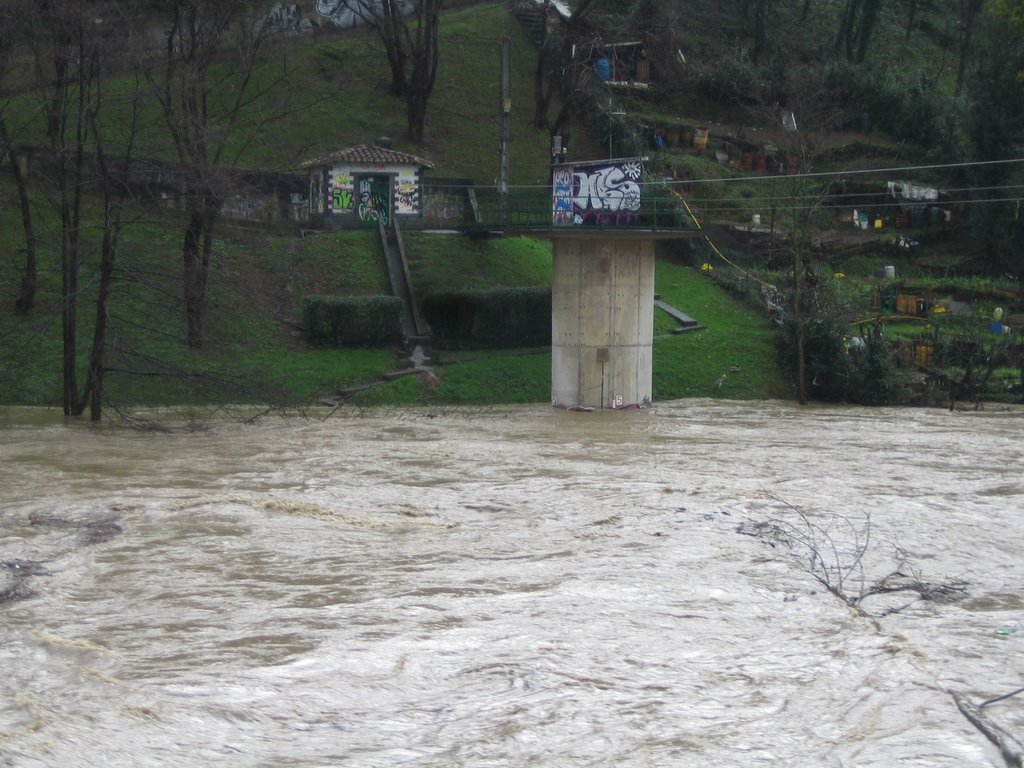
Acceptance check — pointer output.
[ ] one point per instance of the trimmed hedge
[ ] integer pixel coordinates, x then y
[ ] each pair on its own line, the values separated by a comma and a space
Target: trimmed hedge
497, 319
354, 321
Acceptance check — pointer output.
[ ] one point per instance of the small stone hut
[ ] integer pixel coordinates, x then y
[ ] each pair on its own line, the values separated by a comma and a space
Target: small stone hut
366, 184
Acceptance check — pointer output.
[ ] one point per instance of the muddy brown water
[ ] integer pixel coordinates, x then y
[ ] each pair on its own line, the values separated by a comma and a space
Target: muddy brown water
509, 587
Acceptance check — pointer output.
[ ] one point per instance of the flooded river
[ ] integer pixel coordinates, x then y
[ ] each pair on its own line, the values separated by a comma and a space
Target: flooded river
512, 587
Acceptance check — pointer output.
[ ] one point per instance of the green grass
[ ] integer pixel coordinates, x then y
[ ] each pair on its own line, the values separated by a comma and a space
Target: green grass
509, 376
327, 91
733, 335
439, 264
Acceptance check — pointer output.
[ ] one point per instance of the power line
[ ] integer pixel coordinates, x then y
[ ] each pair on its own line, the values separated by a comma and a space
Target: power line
856, 172
787, 176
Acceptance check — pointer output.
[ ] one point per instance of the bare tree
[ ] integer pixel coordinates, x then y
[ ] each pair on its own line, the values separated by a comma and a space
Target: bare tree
561, 70
408, 30
66, 59
833, 549
856, 25
424, 57
68, 45
387, 19
969, 12
202, 105
11, 33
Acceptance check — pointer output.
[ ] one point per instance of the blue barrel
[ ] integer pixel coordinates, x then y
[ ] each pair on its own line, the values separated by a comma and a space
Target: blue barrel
603, 68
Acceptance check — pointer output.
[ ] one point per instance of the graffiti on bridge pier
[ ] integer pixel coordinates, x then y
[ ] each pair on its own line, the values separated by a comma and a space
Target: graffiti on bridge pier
601, 194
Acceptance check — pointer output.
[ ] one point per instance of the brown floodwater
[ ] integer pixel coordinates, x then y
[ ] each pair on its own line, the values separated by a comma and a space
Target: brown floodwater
511, 587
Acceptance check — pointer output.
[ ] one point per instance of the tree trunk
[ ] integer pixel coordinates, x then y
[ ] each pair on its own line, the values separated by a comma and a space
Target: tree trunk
425, 55
911, 17
761, 14
392, 33
27, 292
868, 19
541, 94
69, 325
844, 37
968, 13
798, 320
94, 383
196, 263
416, 114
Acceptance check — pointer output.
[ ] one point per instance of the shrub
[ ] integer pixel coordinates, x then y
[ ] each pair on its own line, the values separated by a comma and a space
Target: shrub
354, 321
497, 319
838, 370
909, 110
874, 378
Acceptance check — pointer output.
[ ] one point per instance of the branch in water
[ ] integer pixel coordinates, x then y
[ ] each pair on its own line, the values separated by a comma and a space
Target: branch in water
1009, 747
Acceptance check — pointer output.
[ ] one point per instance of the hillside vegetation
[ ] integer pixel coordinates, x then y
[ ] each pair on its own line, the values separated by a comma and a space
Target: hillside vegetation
329, 90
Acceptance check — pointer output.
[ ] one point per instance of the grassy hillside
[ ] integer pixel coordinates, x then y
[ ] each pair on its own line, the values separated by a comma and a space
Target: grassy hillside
343, 82
255, 350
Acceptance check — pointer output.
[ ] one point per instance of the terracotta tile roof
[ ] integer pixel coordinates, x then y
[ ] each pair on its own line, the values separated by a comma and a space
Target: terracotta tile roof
368, 154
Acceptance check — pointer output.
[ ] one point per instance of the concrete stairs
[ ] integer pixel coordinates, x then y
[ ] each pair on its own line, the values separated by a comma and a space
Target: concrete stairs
401, 283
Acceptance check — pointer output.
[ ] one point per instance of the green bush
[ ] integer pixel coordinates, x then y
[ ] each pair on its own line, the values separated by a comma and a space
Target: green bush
498, 319
874, 378
909, 109
734, 79
839, 369
354, 321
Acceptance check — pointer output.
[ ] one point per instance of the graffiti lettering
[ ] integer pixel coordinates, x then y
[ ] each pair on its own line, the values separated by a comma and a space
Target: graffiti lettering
340, 196
606, 189
372, 207
597, 196
341, 199
408, 197
562, 182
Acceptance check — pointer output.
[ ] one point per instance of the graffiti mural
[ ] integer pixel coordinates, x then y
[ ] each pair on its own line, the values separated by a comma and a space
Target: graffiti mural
341, 199
374, 203
597, 195
345, 14
562, 183
341, 193
407, 197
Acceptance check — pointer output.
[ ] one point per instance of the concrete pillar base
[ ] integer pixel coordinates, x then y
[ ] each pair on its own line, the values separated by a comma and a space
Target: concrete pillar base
602, 321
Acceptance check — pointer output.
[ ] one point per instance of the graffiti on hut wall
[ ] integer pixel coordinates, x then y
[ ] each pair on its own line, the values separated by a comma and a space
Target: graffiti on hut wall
373, 200
341, 199
597, 195
407, 196
342, 193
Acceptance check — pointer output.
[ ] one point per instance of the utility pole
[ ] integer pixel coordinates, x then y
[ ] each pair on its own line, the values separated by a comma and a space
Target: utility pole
505, 112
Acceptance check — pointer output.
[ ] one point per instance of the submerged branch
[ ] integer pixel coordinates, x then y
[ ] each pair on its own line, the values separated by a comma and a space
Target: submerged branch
1011, 749
835, 558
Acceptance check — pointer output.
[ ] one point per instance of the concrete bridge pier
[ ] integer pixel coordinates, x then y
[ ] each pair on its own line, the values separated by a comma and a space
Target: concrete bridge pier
602, 320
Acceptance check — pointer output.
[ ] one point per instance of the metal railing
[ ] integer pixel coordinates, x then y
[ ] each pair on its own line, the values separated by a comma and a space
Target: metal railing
535, 212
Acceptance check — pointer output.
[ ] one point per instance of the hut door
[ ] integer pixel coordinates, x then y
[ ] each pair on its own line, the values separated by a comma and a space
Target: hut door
374, 200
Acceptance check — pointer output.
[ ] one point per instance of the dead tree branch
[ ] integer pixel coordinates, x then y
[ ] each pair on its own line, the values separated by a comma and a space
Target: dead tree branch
833, 550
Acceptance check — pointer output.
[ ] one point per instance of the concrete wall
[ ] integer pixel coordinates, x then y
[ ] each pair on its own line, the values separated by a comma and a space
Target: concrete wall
602, 318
